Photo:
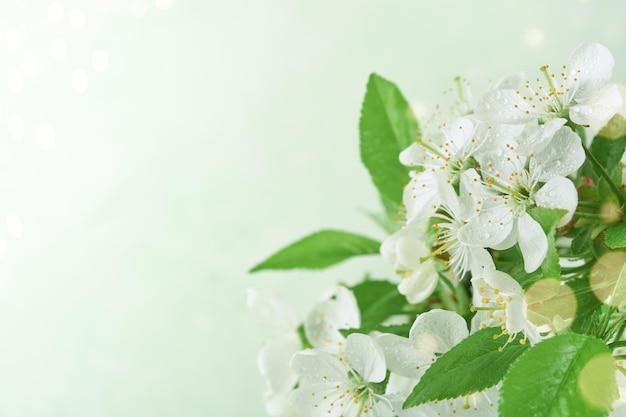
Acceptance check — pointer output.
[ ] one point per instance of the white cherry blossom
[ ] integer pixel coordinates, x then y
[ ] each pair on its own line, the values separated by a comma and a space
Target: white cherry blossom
573, 91
327, 317
343, 385
433, 333
499, 302
280, 323
504, 218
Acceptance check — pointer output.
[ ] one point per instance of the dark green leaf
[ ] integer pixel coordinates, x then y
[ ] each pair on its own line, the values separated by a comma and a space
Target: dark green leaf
320, 250
587, 303
377, 301
387, 127
582, 240
473, 365
569, 375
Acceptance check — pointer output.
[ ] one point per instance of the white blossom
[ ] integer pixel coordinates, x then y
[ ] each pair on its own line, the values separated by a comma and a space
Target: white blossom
573, 91
499, 302
344, 385
323, 324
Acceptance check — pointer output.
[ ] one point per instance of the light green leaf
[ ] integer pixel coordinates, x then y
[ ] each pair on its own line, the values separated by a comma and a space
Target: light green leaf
473, 365
569, 375
608, 146
387, 127
320, 250
615, 236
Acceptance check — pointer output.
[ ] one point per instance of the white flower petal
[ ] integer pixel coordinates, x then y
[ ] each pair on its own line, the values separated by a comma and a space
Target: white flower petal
273, 313
503, 282
505, 106
420, 283
315, 366
398, 384
274, 363
510, 82
559, 193
366, 357
532, 242
489, 228
600, 107
437, 331
458, 133
404, 248
486, 230
502, 162
315, 400
277, 404
421, 194
402, 358
592, 65
414, 155
561, 157
480, 260
509, 241
323, 323
536, 141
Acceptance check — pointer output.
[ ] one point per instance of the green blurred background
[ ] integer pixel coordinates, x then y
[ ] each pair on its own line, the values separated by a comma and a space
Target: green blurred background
140, 183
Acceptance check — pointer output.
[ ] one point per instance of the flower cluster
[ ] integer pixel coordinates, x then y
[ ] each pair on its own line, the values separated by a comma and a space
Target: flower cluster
508, 250
477, 179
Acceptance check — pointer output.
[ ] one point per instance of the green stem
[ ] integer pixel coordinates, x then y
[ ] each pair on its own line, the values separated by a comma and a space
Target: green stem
618, 344
590, 216
588, 204
607, 318
598, 166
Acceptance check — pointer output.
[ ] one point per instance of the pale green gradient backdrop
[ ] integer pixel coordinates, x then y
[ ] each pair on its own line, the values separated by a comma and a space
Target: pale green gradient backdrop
218, 133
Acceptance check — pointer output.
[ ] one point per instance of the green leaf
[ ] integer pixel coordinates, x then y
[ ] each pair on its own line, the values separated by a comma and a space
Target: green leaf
548, 219
587, 303
477, 363
569, 375
609, 144
377, 301
387, 127
615, 236
582, 240
320, 250
397, 329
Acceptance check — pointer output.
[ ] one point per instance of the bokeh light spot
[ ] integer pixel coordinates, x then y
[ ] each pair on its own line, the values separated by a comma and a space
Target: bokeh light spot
15, 80
608, 279
16, 126
534, 37
79, 81
13, 39
163, 4
58, 49
596, 389
55, 12
14, 224
139, 8
47, 137
76, 18
551, 305
100, 61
